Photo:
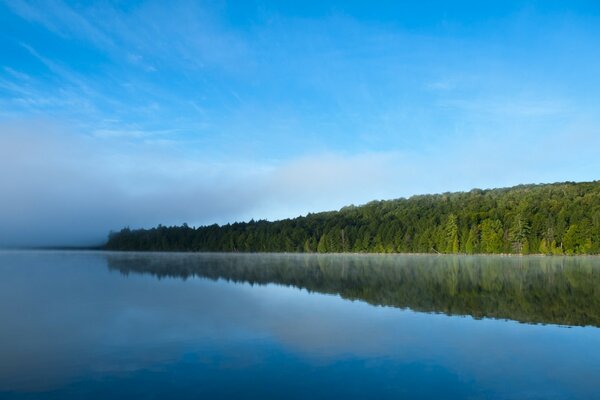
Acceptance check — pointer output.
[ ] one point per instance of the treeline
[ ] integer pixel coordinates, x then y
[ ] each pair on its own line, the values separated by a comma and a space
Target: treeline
549, 290
561, 218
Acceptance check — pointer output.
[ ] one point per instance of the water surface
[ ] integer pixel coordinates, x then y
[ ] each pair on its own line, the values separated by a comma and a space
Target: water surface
151, 325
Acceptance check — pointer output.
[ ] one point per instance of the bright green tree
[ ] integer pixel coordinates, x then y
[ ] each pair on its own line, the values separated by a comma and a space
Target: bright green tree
472, 244
452, 244
491, 236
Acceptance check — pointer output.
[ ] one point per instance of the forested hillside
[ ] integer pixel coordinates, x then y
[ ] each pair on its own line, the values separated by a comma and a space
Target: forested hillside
561, 218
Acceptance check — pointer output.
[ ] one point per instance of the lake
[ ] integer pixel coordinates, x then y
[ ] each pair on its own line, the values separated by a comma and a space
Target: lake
155, 325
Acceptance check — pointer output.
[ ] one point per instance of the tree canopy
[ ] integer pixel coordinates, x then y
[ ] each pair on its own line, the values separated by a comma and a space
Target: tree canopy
560, 218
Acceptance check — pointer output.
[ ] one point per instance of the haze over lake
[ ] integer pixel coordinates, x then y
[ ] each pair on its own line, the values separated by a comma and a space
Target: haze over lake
147, 325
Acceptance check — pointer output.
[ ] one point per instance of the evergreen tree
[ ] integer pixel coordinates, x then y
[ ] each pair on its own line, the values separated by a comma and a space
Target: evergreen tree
322, 246
472, 244
452, 235
491, 236
518, 236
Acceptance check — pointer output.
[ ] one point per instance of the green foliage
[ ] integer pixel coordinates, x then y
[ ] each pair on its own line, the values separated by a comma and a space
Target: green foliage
491, 236
452, 234
544, 248
555, 219
518, 236
472, 244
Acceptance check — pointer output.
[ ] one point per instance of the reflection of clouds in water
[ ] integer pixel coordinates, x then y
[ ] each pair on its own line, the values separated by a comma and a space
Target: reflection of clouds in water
66, 318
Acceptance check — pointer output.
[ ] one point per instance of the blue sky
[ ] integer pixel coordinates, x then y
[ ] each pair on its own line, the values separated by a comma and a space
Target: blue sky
140, 113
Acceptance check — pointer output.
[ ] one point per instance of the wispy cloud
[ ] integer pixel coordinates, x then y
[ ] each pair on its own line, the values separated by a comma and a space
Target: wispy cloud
60, 19
189, 37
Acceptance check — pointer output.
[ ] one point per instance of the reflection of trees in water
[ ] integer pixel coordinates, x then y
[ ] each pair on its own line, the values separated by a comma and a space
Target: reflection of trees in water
553, 290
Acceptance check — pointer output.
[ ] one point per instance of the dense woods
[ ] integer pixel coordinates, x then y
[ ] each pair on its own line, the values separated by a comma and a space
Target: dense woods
561, 218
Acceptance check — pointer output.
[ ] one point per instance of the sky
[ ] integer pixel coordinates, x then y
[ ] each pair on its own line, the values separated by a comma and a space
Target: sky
140, 113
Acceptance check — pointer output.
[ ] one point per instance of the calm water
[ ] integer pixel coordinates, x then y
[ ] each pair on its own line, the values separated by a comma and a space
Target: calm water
114, 325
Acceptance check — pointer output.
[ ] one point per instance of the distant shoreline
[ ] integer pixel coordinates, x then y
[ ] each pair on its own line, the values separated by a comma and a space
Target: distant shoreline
104, 250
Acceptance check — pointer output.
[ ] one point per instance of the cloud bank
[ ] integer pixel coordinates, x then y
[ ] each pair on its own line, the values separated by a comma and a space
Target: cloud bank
67, 189
61, 188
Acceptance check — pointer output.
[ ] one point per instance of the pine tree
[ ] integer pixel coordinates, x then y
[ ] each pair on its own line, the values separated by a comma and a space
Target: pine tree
491, 236
472, 245
322, 246
518, 235
452, 245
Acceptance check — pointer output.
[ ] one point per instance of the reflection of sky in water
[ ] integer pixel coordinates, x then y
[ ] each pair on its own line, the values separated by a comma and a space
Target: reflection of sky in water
70, 327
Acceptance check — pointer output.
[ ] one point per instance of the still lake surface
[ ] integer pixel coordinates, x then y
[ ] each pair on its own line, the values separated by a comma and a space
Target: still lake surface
155, 325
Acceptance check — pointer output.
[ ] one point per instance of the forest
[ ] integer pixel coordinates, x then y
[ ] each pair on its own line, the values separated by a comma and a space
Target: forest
551, 219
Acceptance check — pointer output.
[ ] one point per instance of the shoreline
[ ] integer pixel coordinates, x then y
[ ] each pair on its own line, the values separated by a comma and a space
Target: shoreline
103, 250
